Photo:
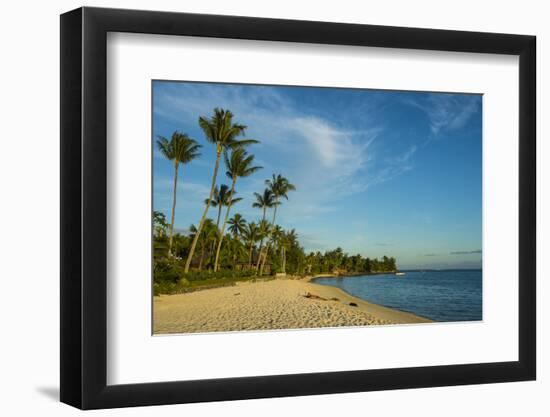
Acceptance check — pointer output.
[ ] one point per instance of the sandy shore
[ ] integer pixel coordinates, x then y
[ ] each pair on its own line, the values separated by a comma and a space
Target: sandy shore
276, 304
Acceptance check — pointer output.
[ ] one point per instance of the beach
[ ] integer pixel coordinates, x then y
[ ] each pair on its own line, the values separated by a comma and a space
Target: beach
274, 304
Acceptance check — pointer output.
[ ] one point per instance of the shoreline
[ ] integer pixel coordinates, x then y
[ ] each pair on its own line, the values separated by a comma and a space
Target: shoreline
379, 310
283, 303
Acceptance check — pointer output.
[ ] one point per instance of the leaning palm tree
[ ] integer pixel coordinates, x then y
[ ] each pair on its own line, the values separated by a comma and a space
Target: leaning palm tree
223, 132
263, 201
280, 187
239, 164
180, 149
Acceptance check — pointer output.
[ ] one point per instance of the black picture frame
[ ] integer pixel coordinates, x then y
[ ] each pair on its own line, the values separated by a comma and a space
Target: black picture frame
84, 207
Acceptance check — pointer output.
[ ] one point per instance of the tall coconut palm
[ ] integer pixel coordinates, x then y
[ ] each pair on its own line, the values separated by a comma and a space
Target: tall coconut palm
239, 164
180, 149
263, 201
280, 187
223, 133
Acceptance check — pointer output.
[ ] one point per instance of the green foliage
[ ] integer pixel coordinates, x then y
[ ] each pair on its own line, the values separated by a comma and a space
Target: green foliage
179, 148
195, 276
166, 271
168, 283
159, 224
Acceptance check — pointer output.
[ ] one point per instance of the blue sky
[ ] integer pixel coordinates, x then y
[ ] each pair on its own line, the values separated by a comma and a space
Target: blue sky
376, 172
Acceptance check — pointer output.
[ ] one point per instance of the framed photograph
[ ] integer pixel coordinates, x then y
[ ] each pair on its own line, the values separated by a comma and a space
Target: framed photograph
257, 208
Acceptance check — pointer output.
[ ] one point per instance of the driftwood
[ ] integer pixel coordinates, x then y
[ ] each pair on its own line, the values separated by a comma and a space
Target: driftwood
314, 297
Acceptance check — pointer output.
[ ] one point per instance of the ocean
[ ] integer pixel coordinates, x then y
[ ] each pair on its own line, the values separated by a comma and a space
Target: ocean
446, 295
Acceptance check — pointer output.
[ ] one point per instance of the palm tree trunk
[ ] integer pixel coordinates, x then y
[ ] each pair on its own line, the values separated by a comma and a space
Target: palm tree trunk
284, 261
260, 253
215, 241
203, 218
250, 255
202, 258
269, 235
220, 239
261, 245
173, 208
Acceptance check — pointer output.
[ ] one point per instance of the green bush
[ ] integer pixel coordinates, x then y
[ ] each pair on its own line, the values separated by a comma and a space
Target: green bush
211, 275
170, 278
167, 271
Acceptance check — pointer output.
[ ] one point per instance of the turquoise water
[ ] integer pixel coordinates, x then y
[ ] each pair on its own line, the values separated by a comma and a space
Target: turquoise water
438, 295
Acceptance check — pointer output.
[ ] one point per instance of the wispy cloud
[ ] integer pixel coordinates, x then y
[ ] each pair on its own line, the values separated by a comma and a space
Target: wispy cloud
335, 161
446, 111
466, 252
393, 167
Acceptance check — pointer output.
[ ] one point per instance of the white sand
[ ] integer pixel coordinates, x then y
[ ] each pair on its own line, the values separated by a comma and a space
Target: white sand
276, 304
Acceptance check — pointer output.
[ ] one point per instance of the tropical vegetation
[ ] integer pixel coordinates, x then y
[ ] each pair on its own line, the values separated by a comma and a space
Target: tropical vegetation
229, 247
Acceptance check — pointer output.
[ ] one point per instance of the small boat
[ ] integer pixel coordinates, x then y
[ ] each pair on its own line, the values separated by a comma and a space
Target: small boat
399, 273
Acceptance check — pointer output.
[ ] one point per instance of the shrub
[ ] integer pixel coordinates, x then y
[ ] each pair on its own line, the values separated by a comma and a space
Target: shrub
211, 275
167, 271
170, 278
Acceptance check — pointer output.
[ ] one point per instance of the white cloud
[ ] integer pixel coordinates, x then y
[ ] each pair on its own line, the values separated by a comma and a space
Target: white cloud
446, 111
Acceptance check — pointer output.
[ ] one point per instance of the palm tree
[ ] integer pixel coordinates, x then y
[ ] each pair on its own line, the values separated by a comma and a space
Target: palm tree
263, 232
280, 187
263, 201
207, 238
237, 225
180, 149
220, 200
251, 236
276, 238
159, 224
239, 165
235, 250
288, 240
221, 131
